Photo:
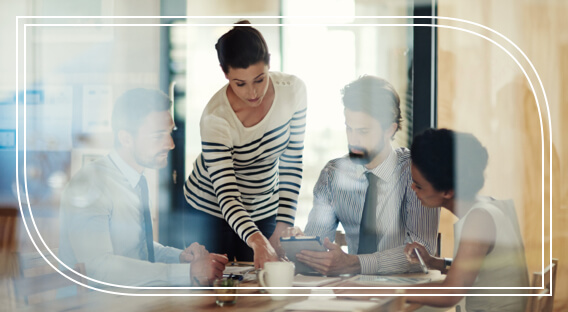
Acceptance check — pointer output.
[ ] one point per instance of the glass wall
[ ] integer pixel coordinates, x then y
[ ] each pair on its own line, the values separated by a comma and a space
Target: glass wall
326, 53
76, 68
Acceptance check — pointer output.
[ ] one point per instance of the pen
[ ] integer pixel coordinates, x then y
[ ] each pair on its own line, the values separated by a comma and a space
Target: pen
422, 264
239, 277
196, 281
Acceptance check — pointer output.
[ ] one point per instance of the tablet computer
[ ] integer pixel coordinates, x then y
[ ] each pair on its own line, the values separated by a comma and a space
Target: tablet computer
295, 244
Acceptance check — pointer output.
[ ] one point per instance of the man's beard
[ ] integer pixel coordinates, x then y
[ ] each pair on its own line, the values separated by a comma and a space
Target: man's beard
362, 156
155, 162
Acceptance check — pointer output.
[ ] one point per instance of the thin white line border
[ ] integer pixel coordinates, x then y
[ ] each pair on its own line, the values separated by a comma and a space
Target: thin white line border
277, 25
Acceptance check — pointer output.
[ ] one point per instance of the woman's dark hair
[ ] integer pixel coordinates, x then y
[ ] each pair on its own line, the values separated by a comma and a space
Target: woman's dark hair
241, 47
450, 160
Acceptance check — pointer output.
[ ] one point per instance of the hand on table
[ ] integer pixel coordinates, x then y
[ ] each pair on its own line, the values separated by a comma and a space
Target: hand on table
331, 262
193, 252
263, 250
205, 269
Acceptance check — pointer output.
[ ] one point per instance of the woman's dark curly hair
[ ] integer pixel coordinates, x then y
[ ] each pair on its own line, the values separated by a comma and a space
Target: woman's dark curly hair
450, 160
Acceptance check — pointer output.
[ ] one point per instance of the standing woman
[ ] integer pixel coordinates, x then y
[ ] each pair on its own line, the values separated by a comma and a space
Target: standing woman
244, 187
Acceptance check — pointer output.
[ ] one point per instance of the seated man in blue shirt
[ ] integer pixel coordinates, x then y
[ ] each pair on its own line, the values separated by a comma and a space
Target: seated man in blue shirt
105, 215
369, 192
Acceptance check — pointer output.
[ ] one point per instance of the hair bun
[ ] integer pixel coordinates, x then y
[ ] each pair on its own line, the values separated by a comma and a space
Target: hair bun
241, 47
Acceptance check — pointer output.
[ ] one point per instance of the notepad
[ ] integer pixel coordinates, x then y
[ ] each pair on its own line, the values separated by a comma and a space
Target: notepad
313, 281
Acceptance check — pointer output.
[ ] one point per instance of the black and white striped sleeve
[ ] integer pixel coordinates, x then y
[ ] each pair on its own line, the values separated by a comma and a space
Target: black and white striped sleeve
291, 162
217, 154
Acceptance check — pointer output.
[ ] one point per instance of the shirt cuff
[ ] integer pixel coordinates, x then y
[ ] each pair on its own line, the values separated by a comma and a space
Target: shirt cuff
166, 254
178, 274
393, 261
369, 263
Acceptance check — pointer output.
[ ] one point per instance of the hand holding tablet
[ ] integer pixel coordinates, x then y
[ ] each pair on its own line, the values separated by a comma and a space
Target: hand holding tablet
295, 244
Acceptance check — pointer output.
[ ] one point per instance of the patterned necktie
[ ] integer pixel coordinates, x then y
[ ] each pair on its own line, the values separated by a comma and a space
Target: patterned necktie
147, 218
368, 227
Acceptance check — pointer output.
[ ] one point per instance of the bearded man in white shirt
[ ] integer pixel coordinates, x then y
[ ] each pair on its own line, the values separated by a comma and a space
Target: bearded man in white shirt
368, 191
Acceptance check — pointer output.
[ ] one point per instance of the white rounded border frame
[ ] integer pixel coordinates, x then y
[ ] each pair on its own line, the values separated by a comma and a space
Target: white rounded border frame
469, 23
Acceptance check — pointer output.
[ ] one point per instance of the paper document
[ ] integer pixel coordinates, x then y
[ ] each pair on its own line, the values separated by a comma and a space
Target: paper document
336, 305
329, 294
390, 280
313, 281
238, 270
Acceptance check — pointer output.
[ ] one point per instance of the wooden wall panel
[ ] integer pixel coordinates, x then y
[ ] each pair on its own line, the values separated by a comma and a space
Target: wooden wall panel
482, 91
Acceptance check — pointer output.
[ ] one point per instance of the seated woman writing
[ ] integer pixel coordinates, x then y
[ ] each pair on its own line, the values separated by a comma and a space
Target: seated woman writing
447, 171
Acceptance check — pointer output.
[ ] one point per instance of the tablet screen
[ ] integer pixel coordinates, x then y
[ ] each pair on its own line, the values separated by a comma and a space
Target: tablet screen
294, 245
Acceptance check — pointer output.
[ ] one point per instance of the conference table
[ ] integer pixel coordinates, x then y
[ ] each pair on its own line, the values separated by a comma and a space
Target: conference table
249, 299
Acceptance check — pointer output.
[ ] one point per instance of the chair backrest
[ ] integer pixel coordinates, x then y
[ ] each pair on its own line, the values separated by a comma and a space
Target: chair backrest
340, 238
545, 298
35, 281
29, 263
438, 245
8, 222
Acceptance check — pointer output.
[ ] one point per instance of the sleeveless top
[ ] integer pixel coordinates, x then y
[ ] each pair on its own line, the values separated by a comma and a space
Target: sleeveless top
504, 266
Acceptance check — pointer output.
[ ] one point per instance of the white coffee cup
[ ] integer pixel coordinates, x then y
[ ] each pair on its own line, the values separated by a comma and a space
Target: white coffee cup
277, 274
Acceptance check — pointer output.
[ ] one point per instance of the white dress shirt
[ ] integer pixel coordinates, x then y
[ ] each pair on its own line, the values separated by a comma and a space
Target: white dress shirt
102, 226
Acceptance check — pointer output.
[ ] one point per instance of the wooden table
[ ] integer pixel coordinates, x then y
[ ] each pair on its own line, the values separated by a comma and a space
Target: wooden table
99, 301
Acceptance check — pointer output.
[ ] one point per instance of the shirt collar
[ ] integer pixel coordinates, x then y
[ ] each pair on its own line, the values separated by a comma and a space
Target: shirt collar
385, 170
130, 173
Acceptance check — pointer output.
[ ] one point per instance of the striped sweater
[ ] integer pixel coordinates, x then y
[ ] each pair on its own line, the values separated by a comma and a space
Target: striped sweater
246, 174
